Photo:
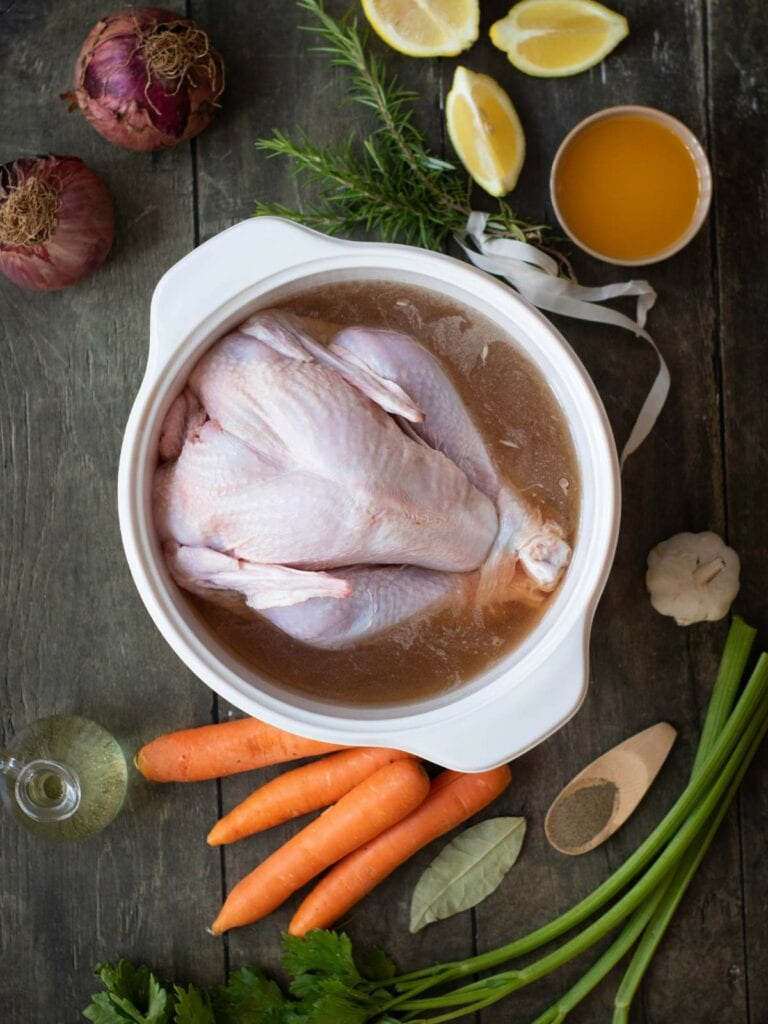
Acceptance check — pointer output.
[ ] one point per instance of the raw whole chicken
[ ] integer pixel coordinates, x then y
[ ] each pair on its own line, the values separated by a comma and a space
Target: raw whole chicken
339, 489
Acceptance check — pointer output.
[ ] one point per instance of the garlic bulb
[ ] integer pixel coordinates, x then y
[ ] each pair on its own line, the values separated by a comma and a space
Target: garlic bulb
694, 577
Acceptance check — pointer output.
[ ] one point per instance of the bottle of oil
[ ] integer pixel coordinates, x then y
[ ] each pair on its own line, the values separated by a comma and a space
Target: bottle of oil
63, 777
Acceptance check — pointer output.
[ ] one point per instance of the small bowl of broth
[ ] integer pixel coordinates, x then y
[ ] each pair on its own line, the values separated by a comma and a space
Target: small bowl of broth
631, 185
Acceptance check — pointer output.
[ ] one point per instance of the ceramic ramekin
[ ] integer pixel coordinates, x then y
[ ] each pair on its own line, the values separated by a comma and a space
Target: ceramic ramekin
517, 702
690, 142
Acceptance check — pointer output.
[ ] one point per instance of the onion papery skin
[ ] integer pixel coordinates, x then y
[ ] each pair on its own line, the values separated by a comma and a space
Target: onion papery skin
81, 235
132, 105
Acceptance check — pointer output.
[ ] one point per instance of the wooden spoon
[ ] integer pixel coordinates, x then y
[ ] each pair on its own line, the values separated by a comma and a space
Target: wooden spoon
607, 791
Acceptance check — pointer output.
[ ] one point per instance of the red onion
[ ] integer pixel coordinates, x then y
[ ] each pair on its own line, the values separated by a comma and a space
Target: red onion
147, 78
56, 221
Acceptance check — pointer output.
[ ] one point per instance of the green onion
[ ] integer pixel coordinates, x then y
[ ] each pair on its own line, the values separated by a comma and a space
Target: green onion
659, 870
740, 640
632, 909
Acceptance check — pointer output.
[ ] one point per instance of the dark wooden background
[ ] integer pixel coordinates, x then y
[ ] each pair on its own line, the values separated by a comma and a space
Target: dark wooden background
75, 636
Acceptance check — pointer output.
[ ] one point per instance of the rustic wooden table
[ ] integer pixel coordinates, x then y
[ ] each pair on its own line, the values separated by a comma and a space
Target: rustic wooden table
75, 634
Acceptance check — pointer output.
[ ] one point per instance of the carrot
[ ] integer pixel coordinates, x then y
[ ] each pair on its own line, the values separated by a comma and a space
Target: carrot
214, 750
300, 791
372, 806
453, 797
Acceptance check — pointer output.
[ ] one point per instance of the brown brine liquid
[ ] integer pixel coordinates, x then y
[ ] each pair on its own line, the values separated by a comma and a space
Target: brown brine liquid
526, 433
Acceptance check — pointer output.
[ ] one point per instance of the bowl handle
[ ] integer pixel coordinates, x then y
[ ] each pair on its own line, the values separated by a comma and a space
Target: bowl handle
219, 269
501, 729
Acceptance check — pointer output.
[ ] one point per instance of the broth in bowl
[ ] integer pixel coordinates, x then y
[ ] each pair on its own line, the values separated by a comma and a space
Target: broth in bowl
528, 441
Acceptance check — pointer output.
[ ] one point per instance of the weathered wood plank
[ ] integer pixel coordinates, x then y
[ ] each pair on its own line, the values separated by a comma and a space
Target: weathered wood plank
696, 500
75, 635
644, 668
275, 81
738, 107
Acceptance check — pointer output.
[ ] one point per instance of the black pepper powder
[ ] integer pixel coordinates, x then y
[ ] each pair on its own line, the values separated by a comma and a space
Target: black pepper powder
578, 818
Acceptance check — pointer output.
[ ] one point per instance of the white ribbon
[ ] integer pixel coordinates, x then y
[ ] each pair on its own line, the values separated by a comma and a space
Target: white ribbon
536, 276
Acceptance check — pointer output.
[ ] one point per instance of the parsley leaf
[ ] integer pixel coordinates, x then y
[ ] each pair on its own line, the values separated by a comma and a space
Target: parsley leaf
132, 994
327, 982
102, 1010
333, 1002
192, 1007
249, 997
329, 985
319, 956
374, 964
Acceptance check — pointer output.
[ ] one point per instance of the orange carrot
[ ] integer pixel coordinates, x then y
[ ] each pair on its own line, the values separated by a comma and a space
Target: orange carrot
453, 797
214, 750
372, 806
300, 791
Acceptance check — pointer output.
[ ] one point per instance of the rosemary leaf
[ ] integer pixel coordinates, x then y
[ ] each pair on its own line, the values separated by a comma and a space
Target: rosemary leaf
385, 181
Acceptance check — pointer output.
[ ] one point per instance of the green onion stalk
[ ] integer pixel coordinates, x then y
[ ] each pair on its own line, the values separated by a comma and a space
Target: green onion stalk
659, 871
724, 694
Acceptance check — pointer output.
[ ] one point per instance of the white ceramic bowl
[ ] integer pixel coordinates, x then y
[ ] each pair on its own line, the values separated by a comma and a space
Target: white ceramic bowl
517, 702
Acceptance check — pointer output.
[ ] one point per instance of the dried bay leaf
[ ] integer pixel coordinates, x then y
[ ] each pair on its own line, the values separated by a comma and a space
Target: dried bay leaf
467, 870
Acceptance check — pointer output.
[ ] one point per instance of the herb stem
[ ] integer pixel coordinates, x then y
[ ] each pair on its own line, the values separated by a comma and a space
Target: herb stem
329, 982
732, 665
680, 882
326, 166
558, 1012
615, 952
729, 675
385, 179
373, 89
651, 888
664, 910
676, 829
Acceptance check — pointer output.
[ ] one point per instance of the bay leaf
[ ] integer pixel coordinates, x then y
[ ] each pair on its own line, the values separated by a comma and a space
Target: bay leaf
467, 870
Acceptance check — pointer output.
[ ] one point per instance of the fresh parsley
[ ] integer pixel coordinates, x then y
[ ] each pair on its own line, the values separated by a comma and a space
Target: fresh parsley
330, 982
132, 994
328, 985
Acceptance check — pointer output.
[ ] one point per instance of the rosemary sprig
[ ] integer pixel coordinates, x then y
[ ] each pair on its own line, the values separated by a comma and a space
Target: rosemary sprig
387, 181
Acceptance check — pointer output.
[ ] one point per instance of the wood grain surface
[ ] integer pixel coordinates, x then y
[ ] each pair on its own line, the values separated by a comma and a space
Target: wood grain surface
77, 638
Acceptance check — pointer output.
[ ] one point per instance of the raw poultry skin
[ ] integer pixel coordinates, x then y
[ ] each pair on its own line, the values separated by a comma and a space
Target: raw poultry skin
338, 490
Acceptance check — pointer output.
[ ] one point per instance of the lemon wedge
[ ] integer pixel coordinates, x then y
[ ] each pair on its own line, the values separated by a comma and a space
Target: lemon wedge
554, 38
485, 131
425, 28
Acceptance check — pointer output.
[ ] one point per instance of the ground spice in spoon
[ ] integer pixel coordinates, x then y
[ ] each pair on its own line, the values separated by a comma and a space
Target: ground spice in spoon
578, 817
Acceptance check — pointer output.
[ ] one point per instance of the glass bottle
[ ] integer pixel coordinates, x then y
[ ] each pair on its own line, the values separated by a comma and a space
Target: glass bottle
63, 777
